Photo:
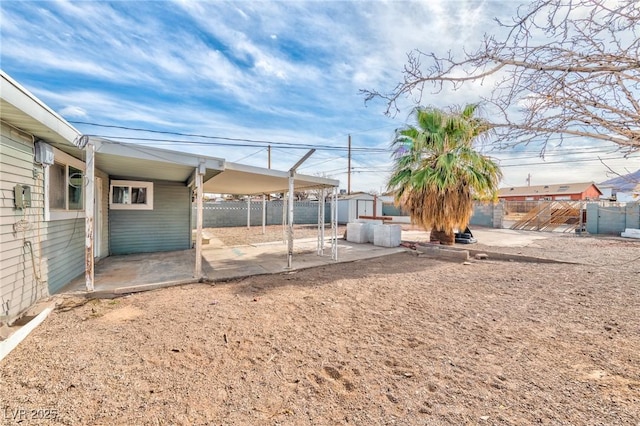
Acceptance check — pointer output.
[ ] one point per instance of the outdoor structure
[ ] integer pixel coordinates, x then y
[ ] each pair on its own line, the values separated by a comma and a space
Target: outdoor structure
560, 192
624, 188
69, 200
630, 196
352, 207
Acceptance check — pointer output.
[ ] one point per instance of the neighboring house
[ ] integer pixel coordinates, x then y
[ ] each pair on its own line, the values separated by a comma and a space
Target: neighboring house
629, 196
564, 191
624, 188
351, 207
141, 198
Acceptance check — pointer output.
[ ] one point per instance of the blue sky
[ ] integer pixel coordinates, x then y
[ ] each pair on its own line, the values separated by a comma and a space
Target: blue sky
285, 72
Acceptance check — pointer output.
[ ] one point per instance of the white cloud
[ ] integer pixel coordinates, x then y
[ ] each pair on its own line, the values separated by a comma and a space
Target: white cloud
71, 112
269, 70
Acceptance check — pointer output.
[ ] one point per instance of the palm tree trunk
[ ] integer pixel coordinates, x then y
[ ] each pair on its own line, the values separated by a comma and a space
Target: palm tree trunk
445, 237
448, 237
435, 236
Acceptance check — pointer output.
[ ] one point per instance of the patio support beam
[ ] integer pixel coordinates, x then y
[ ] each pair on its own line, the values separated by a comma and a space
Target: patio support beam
292, 174
89, 215
321, 219
334, 224
290, 221
248, 211
264, 214
324, 217
199, 173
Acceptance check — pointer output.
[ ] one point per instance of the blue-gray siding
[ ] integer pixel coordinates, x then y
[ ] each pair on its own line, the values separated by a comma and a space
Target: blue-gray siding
165, 228
64, 251
22, 274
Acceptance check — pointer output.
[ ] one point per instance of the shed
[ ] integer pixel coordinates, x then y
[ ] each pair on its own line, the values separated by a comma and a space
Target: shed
353, 206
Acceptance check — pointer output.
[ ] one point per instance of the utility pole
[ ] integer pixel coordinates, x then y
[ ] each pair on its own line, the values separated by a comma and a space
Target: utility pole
269, 166
349, 168
528, 179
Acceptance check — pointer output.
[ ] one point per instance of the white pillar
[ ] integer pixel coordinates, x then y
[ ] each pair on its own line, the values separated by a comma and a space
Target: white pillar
199, 194
290, 220
334, 224
321, 219
264, 214
284, 218
248, 211
89, 215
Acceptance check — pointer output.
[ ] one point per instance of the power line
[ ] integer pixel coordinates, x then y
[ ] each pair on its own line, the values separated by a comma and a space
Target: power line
254, 143
251, 144
248, 156
225, 138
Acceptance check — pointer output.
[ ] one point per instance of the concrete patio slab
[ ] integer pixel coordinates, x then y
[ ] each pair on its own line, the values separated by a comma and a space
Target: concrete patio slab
147, 271
142, 272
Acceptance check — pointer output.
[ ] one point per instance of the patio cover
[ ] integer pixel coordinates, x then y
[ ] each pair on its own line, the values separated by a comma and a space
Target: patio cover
221, 177
23, 110
240, 179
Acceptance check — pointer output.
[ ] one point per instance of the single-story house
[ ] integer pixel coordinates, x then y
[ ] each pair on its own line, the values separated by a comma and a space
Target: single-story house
69, 200
629, 196
624, 188
562, 191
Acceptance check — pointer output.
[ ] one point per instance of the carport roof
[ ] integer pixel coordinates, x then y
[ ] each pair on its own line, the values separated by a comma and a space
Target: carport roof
143, 162
249, 180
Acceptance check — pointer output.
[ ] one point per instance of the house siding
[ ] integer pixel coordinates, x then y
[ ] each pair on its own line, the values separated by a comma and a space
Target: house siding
64, 251
22, 274
165, 228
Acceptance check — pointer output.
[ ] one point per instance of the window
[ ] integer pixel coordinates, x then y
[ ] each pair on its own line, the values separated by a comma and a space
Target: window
64, 194
131, 195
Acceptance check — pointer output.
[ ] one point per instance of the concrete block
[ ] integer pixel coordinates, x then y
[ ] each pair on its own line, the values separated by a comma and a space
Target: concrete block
368, 226
443, 253
387, 235
356, 233
630, 233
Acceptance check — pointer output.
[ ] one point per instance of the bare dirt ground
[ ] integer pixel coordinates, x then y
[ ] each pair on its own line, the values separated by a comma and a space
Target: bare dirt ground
235, 236
394, 340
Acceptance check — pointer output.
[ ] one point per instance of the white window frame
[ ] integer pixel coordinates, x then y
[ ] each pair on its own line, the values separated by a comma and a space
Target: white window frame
132, 184
50, 214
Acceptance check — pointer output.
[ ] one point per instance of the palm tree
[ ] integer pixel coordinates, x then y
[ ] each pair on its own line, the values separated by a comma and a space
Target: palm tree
437, 172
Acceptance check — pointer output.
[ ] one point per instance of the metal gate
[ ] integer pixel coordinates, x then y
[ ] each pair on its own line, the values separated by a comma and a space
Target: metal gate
559, 216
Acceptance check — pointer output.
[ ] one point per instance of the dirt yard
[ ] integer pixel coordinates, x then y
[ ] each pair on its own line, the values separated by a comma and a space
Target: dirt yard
395, 340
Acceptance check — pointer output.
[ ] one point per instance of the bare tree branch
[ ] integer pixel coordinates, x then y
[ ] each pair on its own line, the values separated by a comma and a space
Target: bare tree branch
583, 79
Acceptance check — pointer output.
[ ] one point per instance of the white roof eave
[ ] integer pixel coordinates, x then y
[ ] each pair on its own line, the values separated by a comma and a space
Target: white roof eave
23, 110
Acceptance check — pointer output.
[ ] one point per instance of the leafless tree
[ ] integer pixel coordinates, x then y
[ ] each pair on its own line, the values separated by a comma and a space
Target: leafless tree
563, 67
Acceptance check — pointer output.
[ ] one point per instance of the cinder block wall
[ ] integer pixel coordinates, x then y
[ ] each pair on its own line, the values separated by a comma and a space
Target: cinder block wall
234, 213
612, 219
487, 214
